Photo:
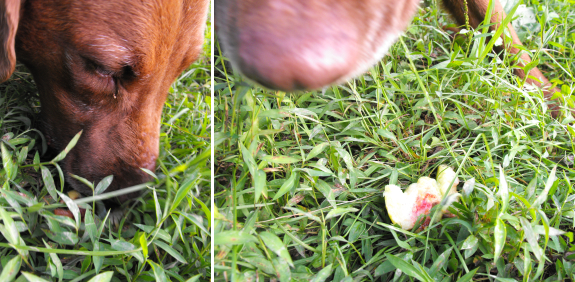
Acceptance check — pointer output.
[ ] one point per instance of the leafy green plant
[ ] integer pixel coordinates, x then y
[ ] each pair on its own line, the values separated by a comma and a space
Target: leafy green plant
299, 176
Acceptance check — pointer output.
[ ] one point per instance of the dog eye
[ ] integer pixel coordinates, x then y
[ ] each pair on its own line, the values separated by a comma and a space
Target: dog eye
100, 78
98, 69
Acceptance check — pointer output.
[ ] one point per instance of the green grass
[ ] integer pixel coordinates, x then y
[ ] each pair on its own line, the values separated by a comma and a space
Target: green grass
168, 235
299, 176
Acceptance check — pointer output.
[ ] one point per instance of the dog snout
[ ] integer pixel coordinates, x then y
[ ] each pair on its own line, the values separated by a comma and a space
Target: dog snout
93, 158
290, 45
94, 169
296, 64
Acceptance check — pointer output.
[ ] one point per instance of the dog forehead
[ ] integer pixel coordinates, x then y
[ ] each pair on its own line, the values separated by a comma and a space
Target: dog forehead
154, 32
122, 23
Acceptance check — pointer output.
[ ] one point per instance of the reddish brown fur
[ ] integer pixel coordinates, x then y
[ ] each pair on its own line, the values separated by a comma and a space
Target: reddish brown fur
300, 44
105, 67
8, 25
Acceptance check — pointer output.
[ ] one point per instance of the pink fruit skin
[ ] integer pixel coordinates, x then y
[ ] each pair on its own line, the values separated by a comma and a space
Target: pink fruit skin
423, 203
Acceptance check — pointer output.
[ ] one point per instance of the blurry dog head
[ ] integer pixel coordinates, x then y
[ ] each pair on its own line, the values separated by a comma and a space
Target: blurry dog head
103, 67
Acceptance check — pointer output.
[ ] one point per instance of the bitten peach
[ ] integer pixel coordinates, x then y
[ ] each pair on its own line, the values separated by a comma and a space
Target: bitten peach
404, 208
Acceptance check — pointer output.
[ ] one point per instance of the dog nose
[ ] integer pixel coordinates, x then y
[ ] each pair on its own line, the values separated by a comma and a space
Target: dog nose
299, 51
290, 63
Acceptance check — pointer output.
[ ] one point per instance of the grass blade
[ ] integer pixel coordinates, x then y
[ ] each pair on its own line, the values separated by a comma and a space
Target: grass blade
276, 245
406, 267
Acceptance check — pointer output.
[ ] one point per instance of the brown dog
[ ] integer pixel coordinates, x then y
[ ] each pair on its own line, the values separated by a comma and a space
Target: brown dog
103, 67
301, 44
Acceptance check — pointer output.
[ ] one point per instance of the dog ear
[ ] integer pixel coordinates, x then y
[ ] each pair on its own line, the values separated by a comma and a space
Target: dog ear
9, 17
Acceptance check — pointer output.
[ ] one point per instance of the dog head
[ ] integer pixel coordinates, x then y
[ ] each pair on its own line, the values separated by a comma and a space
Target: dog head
104, 67
301, 44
